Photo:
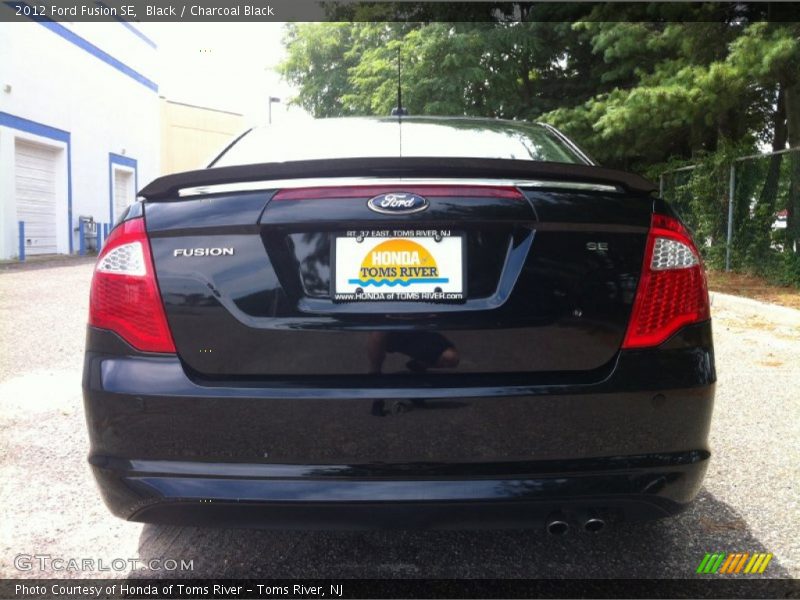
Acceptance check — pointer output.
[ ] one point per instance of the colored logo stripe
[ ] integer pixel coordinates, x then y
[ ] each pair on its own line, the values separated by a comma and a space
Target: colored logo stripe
392, 283
734, 563
723, 563
758, 563
703, 563
732, 559
711, 562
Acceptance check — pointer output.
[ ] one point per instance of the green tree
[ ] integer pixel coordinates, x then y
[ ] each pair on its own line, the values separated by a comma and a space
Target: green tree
513, 70
639, 85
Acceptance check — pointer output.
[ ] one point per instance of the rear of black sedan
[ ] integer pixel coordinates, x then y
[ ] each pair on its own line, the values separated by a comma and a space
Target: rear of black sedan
396, 323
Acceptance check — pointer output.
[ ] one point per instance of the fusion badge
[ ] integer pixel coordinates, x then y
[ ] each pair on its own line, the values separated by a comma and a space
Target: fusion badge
203, 252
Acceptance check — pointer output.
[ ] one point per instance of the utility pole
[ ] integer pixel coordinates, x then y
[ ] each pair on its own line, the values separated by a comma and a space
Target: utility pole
731, 197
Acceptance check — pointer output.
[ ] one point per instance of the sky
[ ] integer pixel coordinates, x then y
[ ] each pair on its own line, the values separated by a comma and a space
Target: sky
228, 66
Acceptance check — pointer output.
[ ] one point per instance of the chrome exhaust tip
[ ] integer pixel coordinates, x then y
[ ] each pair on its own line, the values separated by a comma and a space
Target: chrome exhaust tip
594, 525
557, 527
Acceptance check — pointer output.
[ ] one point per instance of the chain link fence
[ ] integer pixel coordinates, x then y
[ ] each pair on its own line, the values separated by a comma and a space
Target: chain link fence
750, 233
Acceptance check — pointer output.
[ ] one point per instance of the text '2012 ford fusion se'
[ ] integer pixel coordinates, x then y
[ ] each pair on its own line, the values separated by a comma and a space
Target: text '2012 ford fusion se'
399, 322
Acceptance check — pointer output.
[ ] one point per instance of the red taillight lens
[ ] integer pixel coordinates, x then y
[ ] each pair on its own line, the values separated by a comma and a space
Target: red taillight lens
124, 296
672, 290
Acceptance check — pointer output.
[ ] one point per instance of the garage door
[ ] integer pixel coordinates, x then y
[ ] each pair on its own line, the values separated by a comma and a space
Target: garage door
123, 191
35, 183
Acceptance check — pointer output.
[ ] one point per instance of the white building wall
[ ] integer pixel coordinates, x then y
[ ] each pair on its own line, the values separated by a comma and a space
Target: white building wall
95, 82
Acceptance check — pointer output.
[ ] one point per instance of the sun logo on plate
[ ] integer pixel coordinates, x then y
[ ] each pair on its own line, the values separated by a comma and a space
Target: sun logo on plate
398, 262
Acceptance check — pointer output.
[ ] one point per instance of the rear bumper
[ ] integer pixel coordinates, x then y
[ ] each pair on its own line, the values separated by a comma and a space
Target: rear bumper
167, 448
302, 497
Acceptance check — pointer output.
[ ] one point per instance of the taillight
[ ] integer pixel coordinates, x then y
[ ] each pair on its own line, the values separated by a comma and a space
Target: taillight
124, 296
672, 290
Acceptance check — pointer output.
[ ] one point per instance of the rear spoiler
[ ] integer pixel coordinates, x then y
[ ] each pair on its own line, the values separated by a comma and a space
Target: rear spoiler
167, 187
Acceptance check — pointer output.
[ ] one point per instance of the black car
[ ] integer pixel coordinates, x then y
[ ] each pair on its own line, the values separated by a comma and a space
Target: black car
399, 322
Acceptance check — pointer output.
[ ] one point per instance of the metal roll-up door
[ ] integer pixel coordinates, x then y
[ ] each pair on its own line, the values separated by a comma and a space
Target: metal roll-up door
35, 168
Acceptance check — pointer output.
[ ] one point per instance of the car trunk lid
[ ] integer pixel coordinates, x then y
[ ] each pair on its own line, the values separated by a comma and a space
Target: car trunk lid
547, 279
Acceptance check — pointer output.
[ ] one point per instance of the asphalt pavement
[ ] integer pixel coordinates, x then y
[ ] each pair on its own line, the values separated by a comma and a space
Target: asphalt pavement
50, 505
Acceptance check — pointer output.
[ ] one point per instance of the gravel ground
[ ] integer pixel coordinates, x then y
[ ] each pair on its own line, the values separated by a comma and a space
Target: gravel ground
50, 505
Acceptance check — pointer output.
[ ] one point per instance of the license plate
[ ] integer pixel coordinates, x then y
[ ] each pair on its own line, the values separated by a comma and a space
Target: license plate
398, 266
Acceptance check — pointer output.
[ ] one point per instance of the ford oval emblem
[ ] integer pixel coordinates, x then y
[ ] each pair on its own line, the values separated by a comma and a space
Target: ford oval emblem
397, 203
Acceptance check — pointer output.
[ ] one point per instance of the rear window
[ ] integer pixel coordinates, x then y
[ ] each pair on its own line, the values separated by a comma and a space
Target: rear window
363, 138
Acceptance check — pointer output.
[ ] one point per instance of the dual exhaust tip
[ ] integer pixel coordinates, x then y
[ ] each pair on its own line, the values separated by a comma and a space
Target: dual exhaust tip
558, 525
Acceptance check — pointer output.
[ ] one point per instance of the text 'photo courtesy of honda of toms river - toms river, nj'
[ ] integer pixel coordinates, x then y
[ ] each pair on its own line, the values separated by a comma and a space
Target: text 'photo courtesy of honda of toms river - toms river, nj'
399, 322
